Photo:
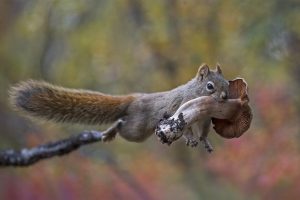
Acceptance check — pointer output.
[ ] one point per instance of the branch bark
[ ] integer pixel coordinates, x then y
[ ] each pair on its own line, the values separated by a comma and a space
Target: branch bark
26, 157
29, 156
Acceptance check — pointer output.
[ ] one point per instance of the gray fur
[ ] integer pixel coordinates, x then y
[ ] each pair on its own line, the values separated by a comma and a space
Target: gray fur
141, 112
144, 114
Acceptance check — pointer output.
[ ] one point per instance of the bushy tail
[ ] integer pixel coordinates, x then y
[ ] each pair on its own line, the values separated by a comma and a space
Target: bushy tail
46, 101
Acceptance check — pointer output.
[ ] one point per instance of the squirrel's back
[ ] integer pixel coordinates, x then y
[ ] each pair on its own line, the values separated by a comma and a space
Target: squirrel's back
46, 101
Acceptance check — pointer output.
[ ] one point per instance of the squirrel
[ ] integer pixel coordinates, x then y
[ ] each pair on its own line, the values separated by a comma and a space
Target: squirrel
138, 114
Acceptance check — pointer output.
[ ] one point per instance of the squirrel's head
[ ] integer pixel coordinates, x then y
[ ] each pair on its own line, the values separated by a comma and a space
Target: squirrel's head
212, 82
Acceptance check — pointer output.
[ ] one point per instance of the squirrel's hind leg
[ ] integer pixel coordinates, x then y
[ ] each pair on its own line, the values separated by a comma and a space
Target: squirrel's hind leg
112, 131
190, 139
202, 130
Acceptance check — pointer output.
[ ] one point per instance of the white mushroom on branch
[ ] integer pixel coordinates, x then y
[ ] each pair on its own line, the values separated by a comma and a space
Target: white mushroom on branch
231, 118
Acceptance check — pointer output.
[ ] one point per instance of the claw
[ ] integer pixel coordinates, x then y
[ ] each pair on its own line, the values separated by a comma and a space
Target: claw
191, 142
207, 144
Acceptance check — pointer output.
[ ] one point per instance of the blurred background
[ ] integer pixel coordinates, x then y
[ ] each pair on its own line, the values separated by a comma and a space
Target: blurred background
123, 46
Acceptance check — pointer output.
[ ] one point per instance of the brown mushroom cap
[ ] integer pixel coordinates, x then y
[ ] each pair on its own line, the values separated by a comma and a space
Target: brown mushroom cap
240, 123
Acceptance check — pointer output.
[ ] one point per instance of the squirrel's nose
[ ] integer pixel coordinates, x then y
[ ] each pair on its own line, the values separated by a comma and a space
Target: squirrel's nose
223, 95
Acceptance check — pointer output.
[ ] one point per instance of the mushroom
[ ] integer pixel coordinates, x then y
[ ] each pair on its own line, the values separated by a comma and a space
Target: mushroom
240, 122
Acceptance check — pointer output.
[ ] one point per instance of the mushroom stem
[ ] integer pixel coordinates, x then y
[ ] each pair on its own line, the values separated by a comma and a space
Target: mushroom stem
194, 110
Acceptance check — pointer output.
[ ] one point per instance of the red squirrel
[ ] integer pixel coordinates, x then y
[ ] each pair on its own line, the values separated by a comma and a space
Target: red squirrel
140, 112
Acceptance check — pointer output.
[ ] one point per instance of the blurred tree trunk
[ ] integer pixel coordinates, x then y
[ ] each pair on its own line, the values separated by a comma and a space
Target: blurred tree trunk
47, 57
293, 62
9, 12
211, 28
136, 13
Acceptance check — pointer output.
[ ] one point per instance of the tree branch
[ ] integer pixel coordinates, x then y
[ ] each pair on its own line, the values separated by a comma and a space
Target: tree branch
26, 157
29, 156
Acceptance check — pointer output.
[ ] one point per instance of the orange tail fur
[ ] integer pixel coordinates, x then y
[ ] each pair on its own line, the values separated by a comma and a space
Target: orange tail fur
46, 101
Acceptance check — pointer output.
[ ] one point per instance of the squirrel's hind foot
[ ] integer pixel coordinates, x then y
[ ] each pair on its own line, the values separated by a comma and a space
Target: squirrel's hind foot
207, 144
112, 131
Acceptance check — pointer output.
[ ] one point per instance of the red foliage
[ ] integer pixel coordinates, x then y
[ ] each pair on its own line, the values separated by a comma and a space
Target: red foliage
266, 159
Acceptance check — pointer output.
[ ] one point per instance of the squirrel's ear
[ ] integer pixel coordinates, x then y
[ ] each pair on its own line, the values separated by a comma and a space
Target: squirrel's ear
203, 71
218, 68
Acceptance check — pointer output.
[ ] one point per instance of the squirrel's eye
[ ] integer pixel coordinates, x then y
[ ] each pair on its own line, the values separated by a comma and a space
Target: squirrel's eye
210, 86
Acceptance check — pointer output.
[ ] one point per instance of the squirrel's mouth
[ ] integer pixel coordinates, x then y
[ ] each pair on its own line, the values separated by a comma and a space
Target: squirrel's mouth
218, 99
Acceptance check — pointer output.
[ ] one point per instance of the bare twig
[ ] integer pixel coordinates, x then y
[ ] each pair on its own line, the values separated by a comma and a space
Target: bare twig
26, 157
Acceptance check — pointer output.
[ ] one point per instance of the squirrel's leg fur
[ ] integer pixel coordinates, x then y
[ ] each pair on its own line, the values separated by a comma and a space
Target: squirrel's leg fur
45, 101
111, 132
190, 139
202, 130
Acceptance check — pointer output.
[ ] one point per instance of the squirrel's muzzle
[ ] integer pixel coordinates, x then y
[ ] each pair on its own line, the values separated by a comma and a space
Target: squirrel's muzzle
223, 95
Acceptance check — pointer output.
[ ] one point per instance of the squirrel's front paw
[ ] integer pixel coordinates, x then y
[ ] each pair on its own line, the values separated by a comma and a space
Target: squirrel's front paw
191, 142
207, 144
